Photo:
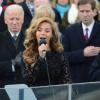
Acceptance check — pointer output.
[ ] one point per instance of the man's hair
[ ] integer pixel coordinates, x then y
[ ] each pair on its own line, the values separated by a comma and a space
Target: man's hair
91, 2
14, 7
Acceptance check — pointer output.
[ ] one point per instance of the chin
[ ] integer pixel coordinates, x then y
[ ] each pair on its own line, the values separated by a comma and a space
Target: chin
15, 31
86, 22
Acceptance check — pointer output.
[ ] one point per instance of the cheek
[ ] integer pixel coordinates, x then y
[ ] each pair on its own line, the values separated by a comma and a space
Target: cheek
94, 14
6, 21
9, 24
50, 36
21, 22
80, 15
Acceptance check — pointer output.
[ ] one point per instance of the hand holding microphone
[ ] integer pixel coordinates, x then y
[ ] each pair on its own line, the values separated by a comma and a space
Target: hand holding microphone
42, 47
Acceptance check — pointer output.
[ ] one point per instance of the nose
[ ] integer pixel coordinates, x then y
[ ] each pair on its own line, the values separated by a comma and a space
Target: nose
43, 32
85, 13
14, 21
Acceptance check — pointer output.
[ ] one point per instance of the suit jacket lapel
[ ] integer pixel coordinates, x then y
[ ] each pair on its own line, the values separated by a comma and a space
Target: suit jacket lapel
10, 45
19, 41
80, 33
94, 31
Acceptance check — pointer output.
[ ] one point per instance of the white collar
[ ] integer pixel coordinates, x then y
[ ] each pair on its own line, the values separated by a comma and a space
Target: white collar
1, 10
12, 34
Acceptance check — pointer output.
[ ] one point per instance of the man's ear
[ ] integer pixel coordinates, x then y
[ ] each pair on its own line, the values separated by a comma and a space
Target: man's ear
5, 20
95, 12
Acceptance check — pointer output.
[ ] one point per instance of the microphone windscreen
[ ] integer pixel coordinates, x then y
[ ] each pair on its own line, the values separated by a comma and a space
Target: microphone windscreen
42, 41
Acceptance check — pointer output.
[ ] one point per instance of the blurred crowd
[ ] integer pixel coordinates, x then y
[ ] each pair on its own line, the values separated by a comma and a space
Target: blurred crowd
66, 11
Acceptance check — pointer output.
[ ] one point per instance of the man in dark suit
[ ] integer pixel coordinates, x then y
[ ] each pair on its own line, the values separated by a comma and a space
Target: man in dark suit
82, 41
2, 9
94, 72
11, 46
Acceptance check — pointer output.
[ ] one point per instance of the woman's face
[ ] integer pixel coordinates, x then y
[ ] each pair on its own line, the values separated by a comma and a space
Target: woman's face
63, 2
44, 31
19, 1
38, 3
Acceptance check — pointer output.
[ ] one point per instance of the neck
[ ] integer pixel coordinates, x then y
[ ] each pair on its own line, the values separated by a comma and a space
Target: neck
65, 5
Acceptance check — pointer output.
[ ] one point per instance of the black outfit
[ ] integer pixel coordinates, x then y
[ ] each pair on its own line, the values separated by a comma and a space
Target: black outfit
8, 52
74, 44
3, 26
4, 95
57, 16
94, 72
4, 2
27, 15
52, 71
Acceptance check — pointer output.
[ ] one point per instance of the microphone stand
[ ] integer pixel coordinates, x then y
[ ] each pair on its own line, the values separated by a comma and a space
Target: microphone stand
48, 74
43, 41
45, 59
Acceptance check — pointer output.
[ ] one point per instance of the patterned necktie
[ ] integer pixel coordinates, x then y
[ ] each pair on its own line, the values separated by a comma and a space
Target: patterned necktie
15, 37
86, 34
14, 40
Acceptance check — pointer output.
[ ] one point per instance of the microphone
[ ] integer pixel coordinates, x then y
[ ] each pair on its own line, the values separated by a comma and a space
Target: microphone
42, 41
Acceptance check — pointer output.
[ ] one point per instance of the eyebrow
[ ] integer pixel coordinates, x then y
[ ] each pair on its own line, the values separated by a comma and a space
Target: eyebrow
45, 28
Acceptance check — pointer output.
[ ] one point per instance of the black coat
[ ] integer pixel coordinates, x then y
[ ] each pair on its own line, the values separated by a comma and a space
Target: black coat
52, 71
94, 72
27, 15
8, 51
74, 44
3, 26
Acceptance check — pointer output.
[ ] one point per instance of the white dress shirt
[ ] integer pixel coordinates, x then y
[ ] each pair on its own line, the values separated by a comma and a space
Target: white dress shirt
1, 10
12, 34
90, 27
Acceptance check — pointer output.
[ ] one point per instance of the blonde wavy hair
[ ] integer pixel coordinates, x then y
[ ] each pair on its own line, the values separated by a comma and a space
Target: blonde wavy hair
31, 54
45, 10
